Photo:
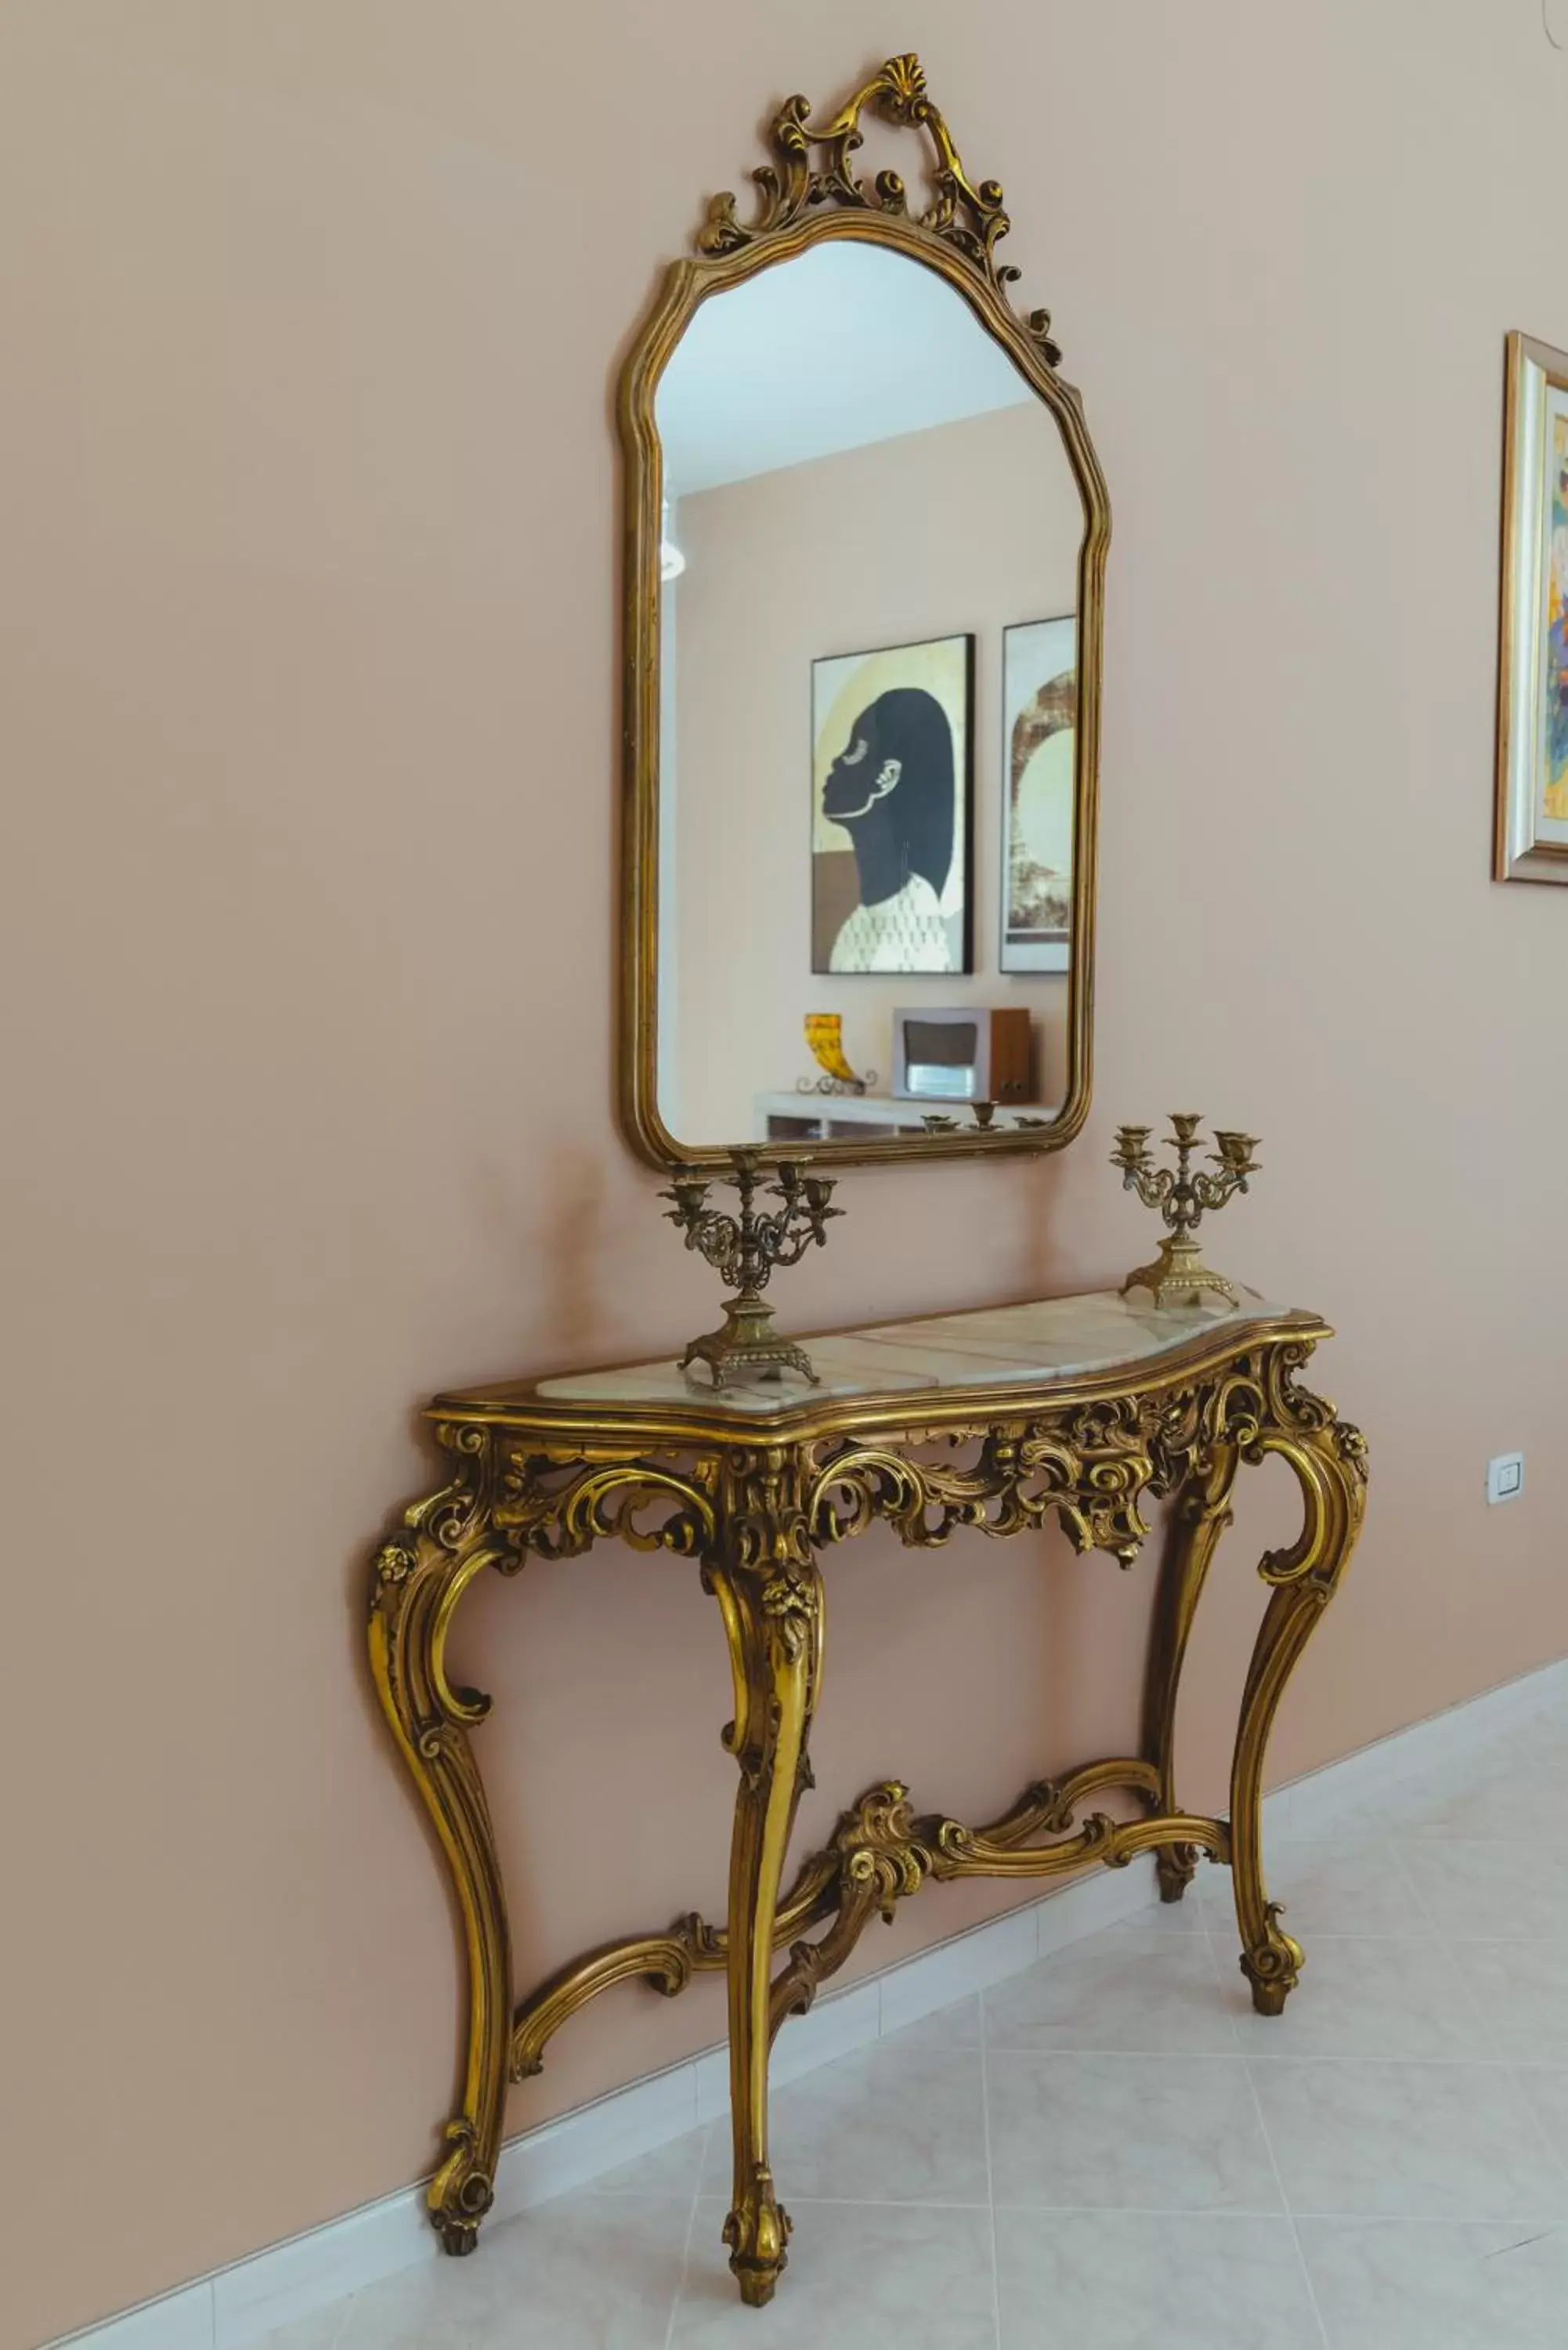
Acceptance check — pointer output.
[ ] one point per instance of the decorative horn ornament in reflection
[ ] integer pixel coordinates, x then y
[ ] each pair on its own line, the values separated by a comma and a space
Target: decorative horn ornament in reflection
748, 1249
825, 1034
1178, 1275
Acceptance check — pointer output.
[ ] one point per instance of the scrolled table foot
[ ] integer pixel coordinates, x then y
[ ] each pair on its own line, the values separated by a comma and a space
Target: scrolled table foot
1272, 1967
462, 2191
757, 2232
1175, 1866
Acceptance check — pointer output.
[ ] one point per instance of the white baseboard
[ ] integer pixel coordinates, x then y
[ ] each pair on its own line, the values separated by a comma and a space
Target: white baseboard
235, 2306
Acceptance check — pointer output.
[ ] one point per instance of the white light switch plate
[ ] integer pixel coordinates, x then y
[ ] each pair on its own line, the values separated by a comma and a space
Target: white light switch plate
1505, 1477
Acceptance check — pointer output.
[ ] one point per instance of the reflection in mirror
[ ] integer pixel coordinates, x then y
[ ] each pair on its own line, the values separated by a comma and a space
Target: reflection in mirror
868, 713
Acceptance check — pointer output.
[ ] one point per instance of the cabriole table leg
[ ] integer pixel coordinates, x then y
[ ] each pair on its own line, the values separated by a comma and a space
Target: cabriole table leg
773, 1617
1330, 1466
419, 1581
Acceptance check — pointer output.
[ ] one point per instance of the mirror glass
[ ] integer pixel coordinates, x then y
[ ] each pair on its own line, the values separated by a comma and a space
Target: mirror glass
868, 713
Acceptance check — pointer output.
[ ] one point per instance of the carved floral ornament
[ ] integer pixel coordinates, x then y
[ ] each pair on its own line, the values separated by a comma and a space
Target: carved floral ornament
1089, 1465
969, 217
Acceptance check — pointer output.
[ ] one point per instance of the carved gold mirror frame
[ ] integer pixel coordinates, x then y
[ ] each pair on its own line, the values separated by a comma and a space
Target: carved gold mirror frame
802, 203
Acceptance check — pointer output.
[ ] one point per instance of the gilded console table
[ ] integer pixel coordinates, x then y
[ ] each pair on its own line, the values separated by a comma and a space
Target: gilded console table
1078, 1408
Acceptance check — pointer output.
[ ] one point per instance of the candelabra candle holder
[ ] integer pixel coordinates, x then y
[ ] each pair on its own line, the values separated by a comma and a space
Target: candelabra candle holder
747, 1249
937, 1122
1178, 1275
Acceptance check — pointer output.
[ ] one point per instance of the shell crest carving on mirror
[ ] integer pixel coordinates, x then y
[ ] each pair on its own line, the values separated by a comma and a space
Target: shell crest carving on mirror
969, 217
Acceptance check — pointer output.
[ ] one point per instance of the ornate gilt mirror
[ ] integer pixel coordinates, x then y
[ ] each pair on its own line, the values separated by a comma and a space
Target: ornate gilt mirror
866, 545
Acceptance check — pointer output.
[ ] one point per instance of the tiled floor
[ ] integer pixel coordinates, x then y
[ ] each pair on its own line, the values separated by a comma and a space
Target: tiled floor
1112, 2152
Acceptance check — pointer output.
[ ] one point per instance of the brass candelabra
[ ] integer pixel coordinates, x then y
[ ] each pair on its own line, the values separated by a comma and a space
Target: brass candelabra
747, 1249
1178, 1275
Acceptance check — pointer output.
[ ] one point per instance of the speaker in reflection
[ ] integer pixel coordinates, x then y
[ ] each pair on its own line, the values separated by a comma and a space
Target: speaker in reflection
969, 1054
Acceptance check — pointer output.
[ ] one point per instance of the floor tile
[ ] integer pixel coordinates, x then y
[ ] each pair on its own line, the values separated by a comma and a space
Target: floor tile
1414, 2099
1492, 1808
859, 2275
1427, 2141
322, 2331
1489, 1892
1128, 2280
585, 2269
957, 2026
887, 2124
1393, 2284
1521, 1993
1511, 1794
1445, 1798
1122, 1990
1322, 1885
1545, 2089
1130, 2133
1364, 1999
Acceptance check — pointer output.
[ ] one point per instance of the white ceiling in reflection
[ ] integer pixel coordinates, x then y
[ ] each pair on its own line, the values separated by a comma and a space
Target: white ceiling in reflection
845, 345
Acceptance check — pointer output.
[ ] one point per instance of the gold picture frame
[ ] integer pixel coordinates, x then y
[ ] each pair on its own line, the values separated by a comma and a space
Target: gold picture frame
808, 193
1530, 828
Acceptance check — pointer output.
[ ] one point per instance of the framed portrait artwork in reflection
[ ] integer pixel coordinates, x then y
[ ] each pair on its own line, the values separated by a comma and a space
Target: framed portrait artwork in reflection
892, 809
1531, 833
1040, 771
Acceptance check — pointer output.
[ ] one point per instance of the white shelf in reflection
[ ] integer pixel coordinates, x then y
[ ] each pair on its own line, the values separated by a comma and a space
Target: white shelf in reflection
818, 1118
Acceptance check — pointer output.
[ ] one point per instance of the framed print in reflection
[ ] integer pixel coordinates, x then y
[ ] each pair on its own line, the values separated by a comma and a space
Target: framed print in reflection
1531, 831
892, 809
1040, 771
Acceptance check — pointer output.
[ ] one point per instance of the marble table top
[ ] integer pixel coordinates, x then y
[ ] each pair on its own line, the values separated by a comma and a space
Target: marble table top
997, 1346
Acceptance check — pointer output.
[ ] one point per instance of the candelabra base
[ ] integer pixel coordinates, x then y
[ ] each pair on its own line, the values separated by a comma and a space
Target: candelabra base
1178, 1277
747, 1347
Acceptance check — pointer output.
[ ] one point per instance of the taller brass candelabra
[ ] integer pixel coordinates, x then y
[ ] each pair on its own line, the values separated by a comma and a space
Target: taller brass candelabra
1178, 1275
748, 1249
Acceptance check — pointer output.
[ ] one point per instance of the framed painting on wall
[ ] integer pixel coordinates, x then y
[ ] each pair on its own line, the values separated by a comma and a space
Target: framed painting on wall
1531, 815
893, 809
1040, 766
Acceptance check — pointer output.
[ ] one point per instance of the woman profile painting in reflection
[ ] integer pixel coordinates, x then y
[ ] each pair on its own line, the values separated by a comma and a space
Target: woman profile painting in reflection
891, 789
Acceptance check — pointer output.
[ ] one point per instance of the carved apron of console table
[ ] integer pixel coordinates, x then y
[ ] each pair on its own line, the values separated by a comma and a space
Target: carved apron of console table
1078, 1408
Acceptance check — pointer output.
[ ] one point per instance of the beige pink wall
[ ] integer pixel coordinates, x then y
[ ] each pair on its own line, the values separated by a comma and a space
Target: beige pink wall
309, 712
965, 527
